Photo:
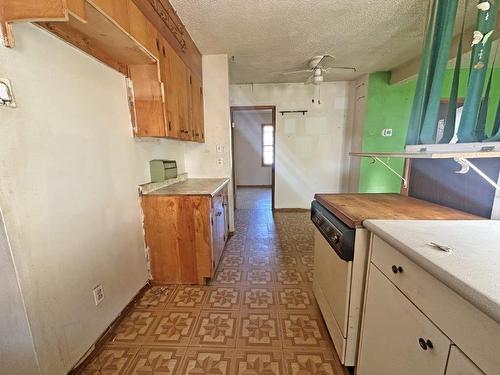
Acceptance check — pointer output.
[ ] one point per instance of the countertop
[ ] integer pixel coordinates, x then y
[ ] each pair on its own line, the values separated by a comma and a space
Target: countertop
192, 186
353, 209
472, 269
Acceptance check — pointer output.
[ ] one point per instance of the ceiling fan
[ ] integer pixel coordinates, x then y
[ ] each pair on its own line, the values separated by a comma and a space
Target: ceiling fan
318, 66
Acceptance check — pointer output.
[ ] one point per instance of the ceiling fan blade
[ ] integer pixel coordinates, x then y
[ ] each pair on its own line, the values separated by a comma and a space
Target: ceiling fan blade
296, 71
342, 67
309, 80
325, 62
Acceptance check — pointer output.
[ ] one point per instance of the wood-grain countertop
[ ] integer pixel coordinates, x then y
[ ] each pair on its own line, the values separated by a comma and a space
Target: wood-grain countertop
353, 209
193, 186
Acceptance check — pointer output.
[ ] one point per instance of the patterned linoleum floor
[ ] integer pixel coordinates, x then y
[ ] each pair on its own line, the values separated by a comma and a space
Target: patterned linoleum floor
257, 316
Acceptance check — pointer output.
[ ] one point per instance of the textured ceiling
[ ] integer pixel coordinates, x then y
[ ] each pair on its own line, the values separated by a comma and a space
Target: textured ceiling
267, 37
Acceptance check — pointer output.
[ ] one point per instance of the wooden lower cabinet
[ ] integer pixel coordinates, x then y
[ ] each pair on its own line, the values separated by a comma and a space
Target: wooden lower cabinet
396, 336
185, 236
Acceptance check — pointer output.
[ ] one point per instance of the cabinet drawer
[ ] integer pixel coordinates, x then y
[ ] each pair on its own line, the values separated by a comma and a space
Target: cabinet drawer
396, 337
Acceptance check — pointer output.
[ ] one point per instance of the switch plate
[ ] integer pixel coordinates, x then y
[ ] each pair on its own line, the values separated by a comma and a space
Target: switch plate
98, 294
386, 132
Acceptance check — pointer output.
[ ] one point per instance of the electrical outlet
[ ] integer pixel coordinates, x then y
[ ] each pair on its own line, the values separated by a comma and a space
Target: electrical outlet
220, 161
387, 133
98, 294
219, 149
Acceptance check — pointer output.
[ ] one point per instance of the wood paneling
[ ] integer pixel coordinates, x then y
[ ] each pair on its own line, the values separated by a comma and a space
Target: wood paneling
353, 209
29, 11
115, 9
185, 236
142, 30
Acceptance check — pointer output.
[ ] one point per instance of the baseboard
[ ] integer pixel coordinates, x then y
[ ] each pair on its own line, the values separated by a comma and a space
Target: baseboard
94, 349
292, 210
254, 186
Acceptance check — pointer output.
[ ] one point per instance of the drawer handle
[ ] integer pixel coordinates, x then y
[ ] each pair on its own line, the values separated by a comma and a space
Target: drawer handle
397, 269
425, 344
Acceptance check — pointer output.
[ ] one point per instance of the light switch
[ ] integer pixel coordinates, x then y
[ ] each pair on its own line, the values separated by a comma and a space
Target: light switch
387, 133
219, 149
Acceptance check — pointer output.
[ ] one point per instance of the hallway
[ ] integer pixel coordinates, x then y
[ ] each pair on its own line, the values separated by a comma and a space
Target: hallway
258, 315
257, 198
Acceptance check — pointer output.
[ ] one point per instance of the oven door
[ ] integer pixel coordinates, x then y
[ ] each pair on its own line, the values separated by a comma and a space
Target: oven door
332, 287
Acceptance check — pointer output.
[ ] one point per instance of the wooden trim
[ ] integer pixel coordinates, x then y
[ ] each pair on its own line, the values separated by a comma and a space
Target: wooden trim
255, 186
291, 210
95, 348
273, 172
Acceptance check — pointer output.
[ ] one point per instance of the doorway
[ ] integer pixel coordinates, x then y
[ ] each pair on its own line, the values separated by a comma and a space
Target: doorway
253, 135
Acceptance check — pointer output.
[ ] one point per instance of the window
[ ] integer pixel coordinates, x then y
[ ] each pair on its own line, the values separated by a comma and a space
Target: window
267, 144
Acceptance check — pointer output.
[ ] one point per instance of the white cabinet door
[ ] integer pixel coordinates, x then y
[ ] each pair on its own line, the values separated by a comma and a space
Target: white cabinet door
396, 337
459, 364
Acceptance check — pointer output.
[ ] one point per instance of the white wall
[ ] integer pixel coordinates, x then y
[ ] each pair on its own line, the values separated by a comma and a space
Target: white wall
17, 354
69, 170
248, 147
310, 152
202, 159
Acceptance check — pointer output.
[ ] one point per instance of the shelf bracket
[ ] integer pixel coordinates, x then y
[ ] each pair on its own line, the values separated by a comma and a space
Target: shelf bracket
405, 182
466, 165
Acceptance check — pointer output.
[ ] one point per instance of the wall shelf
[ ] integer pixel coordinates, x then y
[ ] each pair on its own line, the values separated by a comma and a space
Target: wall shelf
460, 157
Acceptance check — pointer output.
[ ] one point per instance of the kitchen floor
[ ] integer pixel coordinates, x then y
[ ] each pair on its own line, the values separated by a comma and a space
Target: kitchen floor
257, 316
253, 198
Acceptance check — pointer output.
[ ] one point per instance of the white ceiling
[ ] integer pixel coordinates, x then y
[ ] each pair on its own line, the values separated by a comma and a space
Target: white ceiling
267, 37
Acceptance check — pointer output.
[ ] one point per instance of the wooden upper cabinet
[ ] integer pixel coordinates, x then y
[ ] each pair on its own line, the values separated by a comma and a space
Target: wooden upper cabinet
196, 108
142, 30
116, 9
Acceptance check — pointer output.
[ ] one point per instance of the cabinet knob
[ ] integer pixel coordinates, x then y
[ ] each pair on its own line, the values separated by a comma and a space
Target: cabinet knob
397, 269
336, 238
425, 344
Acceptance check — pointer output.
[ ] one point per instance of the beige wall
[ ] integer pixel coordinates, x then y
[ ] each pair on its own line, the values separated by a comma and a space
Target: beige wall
310, 151
17, 354
69, 170
248, 147
203, 159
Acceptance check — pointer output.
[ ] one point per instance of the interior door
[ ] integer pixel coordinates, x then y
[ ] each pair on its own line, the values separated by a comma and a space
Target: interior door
396, 336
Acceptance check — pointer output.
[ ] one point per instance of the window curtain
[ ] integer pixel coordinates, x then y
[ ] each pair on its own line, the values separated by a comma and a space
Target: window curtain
425, 111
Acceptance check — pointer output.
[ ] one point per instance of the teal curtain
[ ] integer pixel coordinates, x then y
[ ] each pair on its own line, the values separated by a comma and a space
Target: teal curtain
425, 110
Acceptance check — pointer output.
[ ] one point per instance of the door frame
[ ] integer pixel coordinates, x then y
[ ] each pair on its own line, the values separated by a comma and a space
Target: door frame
234, 109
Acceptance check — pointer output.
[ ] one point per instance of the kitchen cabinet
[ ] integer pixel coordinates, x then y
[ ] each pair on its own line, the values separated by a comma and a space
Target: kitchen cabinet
185, 235
196, 108
415, 324
115, 9
459, 364
397, 337
166, 97
142, 30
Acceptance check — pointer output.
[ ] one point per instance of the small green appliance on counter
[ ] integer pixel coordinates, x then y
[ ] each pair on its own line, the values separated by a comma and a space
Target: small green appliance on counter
162, 170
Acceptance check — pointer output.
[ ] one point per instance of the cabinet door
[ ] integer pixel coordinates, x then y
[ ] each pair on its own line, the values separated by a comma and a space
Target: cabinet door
459, 364
196, 108
396, 337
142, 30
177, 94
116, 9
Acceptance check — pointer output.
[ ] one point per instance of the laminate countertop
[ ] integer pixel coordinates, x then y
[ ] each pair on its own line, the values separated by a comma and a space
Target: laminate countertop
472, 267
354, 209
193, 186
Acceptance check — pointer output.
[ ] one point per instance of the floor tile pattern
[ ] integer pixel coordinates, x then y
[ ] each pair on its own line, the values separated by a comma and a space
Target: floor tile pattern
257, 316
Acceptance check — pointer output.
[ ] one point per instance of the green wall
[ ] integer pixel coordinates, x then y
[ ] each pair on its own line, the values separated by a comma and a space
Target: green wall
389, 106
